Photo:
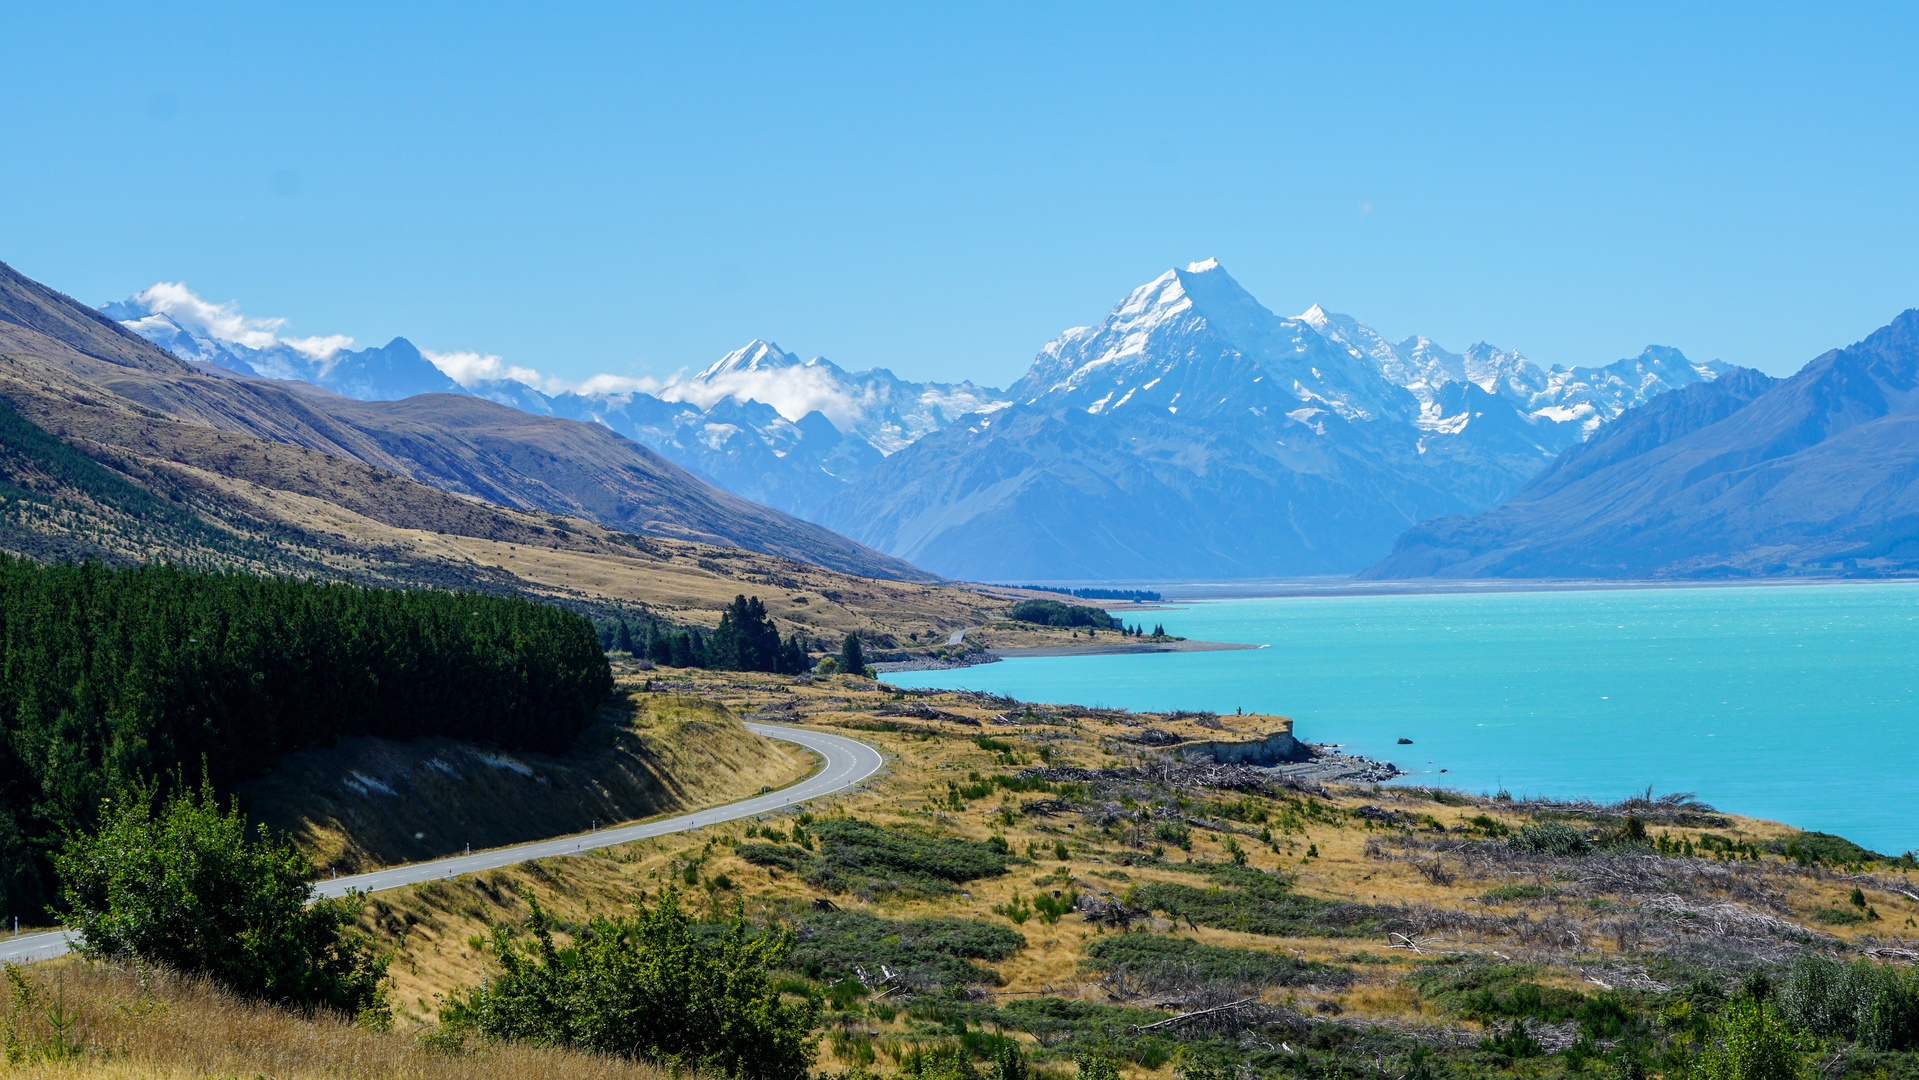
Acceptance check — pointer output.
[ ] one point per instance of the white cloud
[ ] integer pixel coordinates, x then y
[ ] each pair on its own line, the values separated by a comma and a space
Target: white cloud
223, 322
318, 348
470, 369
792, 391
603, 384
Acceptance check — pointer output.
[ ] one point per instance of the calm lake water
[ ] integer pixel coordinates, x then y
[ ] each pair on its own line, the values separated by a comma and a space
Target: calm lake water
1793, 703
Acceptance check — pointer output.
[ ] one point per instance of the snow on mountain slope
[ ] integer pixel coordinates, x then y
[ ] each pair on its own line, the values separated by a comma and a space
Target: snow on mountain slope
1578, 399
1193, 339
1193, 433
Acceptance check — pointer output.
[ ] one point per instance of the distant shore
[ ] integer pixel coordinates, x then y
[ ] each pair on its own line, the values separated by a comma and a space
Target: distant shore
990, 656
1117, 649
1174, 593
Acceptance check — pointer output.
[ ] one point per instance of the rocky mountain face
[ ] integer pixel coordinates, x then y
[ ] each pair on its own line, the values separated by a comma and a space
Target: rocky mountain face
1744, 476
270, 458
1194, 433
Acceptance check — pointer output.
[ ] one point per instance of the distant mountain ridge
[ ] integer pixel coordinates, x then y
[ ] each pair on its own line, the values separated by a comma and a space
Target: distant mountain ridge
1205, 406
1745, 476
759, 422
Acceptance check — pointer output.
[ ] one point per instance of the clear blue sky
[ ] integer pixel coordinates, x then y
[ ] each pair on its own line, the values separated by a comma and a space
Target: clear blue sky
941, 189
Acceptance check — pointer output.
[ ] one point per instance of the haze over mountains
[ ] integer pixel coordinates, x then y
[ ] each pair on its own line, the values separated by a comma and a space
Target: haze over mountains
1191, 433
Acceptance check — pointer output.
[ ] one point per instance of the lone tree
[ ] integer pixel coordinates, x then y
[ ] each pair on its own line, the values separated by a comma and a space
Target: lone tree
852, 657
650, 988
191, 889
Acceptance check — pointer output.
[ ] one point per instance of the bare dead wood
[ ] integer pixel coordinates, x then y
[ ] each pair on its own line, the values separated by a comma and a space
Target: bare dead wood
1183, 1017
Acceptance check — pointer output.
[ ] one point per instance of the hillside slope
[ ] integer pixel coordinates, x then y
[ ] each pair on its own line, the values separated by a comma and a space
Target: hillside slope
57, 357
1745, 476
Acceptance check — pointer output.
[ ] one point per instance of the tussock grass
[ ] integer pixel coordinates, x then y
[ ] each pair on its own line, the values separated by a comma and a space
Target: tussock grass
97, 1022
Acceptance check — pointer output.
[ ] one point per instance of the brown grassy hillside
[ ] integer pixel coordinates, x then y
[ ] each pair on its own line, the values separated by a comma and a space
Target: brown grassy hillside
139, 410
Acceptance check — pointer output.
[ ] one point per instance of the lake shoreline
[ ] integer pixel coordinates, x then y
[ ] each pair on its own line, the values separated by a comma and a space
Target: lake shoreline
993, 656
1174, 593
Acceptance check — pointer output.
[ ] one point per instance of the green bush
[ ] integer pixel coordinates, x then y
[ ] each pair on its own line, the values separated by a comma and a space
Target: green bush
649, 988
1170, 961
855, 853
785, 857
1876, 1004
1753, 1044
1550, 838
831, 945
190, 889
1505, 893
1494, 991
1259, 903
1816, 848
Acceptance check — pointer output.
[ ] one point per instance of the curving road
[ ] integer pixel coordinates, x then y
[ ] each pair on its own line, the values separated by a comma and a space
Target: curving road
848, 762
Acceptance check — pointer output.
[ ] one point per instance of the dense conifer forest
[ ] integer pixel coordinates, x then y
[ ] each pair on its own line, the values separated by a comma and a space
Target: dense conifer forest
110, 676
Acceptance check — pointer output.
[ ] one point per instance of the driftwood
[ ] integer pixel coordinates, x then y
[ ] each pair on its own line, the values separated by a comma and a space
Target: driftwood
1183, 1017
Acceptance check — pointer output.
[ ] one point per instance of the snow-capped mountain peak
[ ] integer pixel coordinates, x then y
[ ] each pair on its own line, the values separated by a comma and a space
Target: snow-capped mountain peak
755, 355
1194, 339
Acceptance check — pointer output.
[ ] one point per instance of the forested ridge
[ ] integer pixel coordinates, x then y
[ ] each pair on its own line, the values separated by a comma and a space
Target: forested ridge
110, 676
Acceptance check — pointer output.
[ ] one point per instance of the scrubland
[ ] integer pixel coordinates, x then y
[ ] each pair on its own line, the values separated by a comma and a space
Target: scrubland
1067, 880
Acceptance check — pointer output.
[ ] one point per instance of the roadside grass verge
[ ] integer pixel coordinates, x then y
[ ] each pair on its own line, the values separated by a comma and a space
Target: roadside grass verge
79, 1021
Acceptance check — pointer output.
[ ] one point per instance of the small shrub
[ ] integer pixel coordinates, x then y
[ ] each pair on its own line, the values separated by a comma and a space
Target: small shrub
1753, 1044
781, 856
648, 988
1507, 893
1174, 961
189, 889
854, 852
1550, 838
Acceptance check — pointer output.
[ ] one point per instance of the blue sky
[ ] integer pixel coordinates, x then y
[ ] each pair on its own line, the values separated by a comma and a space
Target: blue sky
941, 189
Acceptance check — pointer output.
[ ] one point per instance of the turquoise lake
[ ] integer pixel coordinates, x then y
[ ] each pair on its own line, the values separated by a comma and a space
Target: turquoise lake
1794, 703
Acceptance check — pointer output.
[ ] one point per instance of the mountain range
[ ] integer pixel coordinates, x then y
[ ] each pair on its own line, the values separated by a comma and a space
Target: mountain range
289, 475
1191, 433
1745, 476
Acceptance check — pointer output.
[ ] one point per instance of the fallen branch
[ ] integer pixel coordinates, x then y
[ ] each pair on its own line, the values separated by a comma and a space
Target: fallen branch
1183, 1017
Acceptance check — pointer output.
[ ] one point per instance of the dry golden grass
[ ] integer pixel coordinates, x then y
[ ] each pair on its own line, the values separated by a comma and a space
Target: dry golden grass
437, 929
126, 1024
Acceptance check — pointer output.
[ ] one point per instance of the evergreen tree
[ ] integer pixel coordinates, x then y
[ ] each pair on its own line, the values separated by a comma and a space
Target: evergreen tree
680, 650
624, 640
659, 646
852, 657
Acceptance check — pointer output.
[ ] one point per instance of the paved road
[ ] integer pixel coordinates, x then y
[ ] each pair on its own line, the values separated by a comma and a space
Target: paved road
848, 762
959, 636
